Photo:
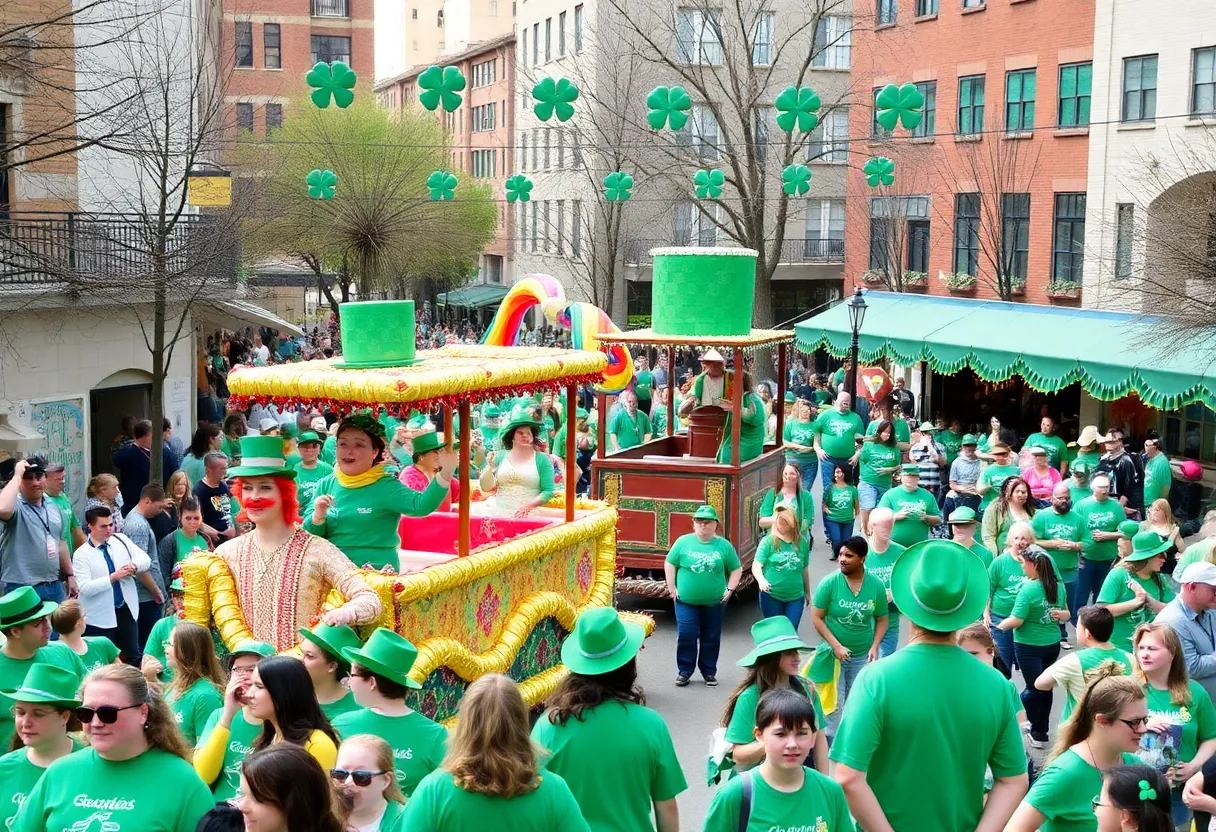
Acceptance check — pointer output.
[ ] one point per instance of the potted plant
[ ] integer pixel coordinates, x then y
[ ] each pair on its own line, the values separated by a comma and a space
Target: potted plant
959, 282
1017, 286
916, 279
874, 277
1064, 290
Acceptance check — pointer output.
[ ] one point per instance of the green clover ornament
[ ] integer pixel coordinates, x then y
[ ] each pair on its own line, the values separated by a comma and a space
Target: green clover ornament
554, 97
334, 81
669, 106
796, 180
440, 85
321, 184
519, 188
899, 105
797, 106
879, 171
442, 185
708, 183
617, 186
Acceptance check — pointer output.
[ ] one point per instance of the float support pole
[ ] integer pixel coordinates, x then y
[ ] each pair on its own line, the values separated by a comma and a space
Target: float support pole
671, 390
571, 451
601, 404
736, 408
465, 485
779, 402
448, 438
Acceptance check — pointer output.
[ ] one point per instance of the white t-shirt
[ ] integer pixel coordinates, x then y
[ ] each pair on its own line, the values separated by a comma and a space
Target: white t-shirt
262, 353
374, 826
712, 390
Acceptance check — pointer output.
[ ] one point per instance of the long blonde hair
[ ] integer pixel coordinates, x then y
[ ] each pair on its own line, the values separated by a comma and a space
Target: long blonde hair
384, 761
1106, 696
491, 751
1178, 680
160, 730
783, 516
194, 653
178, 476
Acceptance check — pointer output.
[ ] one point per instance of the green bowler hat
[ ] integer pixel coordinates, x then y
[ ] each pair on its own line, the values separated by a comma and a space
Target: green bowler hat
601, 642
772, 635
706, 513
1129, 528
22, 606
46, 684
386, 654
333, 640
253, 648
377, 333
1147, 545
939, 585
431, 441
961, 516
262, 456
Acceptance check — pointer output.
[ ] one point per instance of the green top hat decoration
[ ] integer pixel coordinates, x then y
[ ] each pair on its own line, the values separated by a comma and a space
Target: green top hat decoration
772, 635
377, 333
601, 642
333, 640
262, 456
386, 654
46, 684
23, 605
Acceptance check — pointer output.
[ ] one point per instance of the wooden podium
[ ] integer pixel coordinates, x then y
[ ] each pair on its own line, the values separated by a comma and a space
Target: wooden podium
705, 429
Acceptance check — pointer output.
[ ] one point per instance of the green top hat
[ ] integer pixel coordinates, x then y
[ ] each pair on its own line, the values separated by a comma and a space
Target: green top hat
1129, 528
252, 648
601, 642
47, 684
910, 468
968, 439
262, 456
333, 640
939, 585
386, 654
520, 417
706, 513
1147, 545
962, 514
377, 333
775, 634
23, 605
309, 436
430, 441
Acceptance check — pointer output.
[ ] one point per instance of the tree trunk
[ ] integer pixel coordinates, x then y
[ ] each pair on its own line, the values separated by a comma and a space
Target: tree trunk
159, 371
762, 318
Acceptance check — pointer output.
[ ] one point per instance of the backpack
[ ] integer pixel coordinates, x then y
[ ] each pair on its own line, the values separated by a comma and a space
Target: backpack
745, 806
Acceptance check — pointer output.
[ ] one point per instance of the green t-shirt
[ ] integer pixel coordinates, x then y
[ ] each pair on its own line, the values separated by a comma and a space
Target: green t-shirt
953, 443
439, 805
1049, 524
800, 433
643, 383
154, 792
1064, 793
1157, 479
1099, 516
851, 617
837, 431
1078, 492
806, 507
1005, 578
818, 806
1076, 671
628, 430
1031, 605
880, 564
617, 759
184, 546
960, 722
995, 475
1090, 458
1196, 552
307, 479
702, 568
782, 565
159, 636
742, 727
919, 503
902, 432
242, 737
70, 522
18, 776
839, 503
418, 743
1054, 445
345, 705
193, 467
12, 674
985, 554
99, 650
875, 455
1115, 591
194, 707
1197, 717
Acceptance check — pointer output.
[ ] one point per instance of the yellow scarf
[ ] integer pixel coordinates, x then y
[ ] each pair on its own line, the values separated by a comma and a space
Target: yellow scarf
368, 477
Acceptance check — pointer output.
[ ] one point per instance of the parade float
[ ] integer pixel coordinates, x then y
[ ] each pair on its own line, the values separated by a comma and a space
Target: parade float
485, 593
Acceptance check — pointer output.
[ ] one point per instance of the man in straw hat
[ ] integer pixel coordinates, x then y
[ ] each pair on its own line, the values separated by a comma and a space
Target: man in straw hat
918, 762
712, 387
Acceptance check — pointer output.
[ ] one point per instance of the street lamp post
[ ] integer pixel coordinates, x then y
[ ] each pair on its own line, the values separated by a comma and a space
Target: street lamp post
857, 314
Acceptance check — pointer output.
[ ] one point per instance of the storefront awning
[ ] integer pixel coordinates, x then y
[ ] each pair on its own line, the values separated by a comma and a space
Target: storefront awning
253, 315
473, 297
1112, 354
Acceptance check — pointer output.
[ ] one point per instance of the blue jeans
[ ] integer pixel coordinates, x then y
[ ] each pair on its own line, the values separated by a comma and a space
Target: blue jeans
869, 494
50, 591
1004, 642
890, 641
770, 606
837, 533
1070, 600
1179, 810
809, 470
698, 637
849, 668
828, 465
1090, 576
1033, 659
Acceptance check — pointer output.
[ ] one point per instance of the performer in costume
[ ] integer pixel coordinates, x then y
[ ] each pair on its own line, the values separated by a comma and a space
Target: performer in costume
282, 572
713, 387
521, 477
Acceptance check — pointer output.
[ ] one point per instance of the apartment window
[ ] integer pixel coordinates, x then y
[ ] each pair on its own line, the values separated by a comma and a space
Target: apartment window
330, 48
924, 8
576, 228
1203, 85
576, 151
1125, 217
1140, 88
439, 18
548, 225
274, 117
523, 226
971, 105
694, 226
829, 141
918, 246
523, 151
5, 195
482, 117
698, 37
548, 39
880, 239
825, 229
244, 43
548, 146
413, 14
972, 4
1068, 241
535, 149
485, 73
967, 233
1015, 235
762, 41
535, 207
244, 117
493, 8
888, 11
561, 36
876, 129
1019, 100
524, 52
1191, 433
331, 8
561, 149
578, 29
272, 52
833, 43
485, 164
928, 121
1075, 83
561, 226
535, 44
700, 134
762, 119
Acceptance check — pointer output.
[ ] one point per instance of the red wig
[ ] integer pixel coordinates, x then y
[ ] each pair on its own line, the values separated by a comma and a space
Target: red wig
287, 493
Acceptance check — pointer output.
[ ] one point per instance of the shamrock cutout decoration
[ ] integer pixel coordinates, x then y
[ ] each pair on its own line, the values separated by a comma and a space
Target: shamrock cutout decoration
797, 106
442, 185
554, 97
617, 186
879, 171
796, 180
321, 184
708, 183
1147, 792
440, 85
900, 105
519, 188
334, 81
669, 106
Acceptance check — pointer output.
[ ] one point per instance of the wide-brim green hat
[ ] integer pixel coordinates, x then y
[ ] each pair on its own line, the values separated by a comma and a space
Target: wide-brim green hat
46, 684
939, 585
386, 654
706, 513
960, 515
521, 417
333, 640
775, 634
430, 441
262, 456
22, 606
601, 642
1147, 545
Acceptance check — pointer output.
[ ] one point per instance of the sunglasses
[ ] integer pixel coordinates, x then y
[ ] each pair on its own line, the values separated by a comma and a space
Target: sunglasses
108, 714
360, 777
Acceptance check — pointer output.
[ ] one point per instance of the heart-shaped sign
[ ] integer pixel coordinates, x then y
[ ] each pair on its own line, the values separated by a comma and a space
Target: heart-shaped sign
874, 383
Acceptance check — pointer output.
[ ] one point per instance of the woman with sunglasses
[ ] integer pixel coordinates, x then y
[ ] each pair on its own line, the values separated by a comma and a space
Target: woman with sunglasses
135, 775
321, 652
1104, 731
284, 790
364, 778
1134, 799
194, 694
44, 710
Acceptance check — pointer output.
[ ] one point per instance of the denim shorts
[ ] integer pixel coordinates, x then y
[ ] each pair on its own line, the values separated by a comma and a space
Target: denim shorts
868, 495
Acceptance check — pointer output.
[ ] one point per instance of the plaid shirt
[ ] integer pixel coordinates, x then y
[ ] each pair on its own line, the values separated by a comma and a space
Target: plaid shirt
930, 473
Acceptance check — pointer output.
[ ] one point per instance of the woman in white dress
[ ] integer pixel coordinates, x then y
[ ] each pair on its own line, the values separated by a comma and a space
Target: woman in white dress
519, 476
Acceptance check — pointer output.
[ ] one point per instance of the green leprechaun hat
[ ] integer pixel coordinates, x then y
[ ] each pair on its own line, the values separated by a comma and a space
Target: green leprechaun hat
386, 654
377, 333
46, 684
262, 456
333, 640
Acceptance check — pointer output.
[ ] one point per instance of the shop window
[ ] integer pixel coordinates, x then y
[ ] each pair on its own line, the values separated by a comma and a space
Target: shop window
1191, 433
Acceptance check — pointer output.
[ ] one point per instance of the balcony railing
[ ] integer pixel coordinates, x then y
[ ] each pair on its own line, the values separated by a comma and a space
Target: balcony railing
331, 8
793, 251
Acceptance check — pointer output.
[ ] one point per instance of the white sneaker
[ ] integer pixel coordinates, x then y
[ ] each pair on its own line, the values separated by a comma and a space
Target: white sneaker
1065, 644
